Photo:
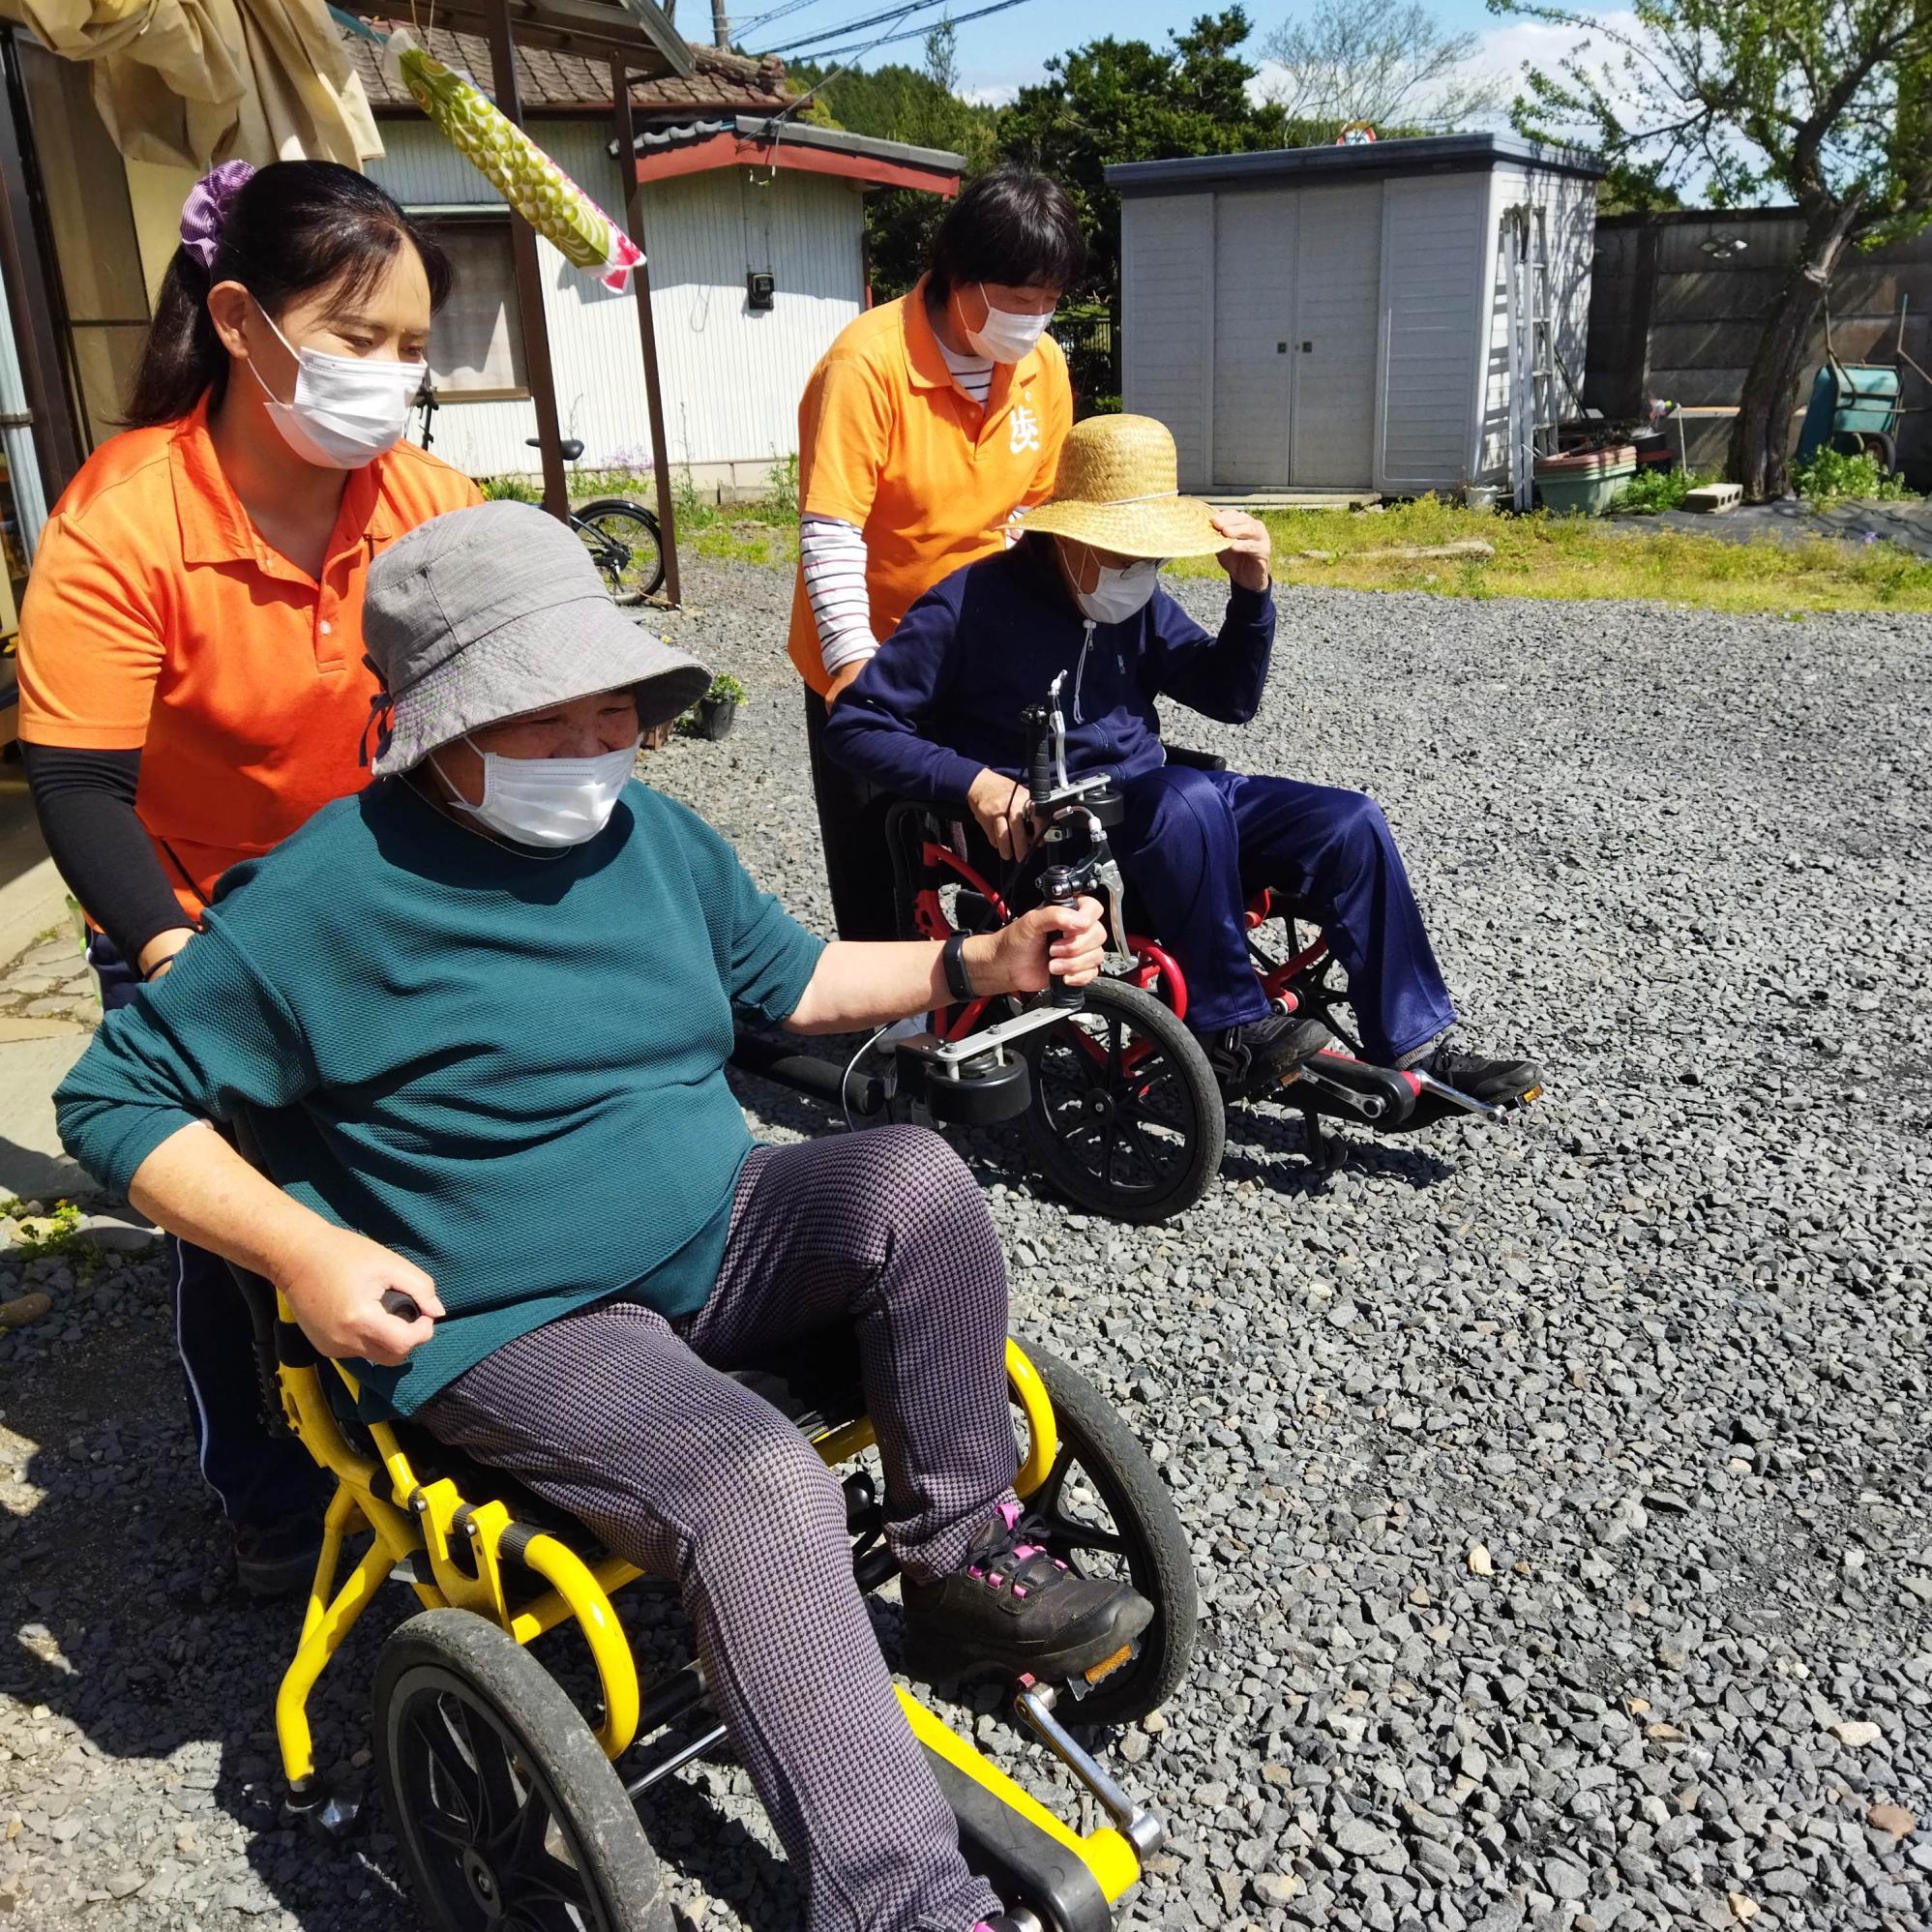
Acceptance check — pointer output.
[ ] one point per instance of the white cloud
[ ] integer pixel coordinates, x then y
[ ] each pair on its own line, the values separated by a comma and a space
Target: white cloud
1506, 51
1000, 95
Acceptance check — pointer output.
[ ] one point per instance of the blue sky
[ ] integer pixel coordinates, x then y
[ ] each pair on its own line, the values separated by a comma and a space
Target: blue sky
1009, 49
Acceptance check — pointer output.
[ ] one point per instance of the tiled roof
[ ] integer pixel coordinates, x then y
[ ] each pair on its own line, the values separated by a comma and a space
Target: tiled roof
548, 81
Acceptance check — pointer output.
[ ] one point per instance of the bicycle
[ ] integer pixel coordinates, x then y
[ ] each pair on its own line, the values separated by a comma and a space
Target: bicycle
623, 537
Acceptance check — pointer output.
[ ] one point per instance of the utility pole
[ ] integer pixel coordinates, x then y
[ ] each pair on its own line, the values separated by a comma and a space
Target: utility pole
721, 27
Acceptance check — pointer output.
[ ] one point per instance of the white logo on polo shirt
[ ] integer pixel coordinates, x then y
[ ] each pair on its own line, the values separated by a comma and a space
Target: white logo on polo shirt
1026, 431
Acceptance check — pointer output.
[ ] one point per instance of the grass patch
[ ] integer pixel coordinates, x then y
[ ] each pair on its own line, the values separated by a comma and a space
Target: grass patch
50, 1233
1833, 474
1583, 557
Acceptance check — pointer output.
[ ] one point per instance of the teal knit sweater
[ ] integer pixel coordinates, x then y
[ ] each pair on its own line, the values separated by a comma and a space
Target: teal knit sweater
509, 1068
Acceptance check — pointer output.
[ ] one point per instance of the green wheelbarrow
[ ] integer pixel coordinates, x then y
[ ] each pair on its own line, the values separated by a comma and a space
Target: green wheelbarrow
1853, 406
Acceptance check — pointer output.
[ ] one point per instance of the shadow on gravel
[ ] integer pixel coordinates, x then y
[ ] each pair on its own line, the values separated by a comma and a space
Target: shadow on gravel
120, 1619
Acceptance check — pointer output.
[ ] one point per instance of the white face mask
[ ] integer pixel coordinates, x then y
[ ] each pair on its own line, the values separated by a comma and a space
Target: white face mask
548, 802
347, 409
1004, 336
1120, 592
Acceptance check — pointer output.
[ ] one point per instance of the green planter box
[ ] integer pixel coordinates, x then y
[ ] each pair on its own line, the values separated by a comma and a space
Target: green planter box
1582, 492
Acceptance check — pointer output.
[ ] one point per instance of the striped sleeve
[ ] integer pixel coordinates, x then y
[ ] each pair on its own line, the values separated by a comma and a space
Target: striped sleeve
833, 558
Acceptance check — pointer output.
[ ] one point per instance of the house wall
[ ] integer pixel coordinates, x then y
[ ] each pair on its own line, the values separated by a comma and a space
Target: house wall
1668, 320
1434, 232
732, 377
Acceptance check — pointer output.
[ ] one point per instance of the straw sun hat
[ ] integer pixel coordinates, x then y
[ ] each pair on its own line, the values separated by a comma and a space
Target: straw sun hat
1118, 488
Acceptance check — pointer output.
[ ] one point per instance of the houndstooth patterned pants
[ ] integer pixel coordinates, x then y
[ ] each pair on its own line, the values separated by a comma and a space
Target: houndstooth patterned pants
625, 1420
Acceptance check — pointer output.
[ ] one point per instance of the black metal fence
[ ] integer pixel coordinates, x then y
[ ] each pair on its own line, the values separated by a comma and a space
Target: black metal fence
1090, 338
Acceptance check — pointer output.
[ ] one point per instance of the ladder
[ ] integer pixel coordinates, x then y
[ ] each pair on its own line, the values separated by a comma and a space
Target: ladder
1533, 404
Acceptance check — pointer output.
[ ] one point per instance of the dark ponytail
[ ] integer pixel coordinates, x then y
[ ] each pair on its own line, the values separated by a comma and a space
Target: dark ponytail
295, 227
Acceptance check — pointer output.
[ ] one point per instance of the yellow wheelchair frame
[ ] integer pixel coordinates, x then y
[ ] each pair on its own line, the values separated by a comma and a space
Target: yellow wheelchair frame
461, 1552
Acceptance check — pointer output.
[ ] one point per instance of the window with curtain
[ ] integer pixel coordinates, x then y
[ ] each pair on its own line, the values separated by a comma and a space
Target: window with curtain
476, 349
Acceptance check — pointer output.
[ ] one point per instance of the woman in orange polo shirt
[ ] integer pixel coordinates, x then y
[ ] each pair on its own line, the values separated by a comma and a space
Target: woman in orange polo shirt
192, 684
926, 424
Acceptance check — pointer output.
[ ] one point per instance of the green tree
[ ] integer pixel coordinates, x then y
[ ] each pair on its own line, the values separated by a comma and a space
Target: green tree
1114, 101
1827, 102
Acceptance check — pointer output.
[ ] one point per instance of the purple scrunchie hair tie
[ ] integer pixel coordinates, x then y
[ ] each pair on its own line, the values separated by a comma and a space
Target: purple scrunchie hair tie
207, 207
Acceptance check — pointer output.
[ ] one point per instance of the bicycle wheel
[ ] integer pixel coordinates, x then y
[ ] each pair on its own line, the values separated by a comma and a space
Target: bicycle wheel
1125, 1118
625, 539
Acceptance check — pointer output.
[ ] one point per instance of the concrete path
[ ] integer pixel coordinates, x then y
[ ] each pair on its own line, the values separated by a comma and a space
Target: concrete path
48, 1010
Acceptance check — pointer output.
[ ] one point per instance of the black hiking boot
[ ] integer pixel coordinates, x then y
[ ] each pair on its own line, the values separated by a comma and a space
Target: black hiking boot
1251, 1058
1494, 1082
1015, 1609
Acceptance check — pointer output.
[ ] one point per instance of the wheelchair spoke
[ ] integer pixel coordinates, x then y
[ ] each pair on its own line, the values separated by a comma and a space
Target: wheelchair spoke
501, 1797
544, 1892
454, 1781
1060, 1532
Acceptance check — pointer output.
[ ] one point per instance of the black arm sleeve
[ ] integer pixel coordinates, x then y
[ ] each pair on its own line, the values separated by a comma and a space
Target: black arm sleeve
85, 801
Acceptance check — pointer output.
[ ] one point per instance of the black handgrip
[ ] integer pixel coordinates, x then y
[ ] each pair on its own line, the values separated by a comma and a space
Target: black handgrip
1062, 885
402, 1306
1039, 753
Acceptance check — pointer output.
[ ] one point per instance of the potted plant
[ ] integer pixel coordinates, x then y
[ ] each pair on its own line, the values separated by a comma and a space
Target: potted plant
718, 708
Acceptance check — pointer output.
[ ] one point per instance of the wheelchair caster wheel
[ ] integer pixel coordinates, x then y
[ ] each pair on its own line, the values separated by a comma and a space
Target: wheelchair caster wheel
325, 1814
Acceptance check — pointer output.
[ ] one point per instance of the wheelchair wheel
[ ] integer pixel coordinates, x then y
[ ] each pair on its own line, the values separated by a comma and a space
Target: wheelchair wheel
1125, 1116
509, 1816
1104, 1510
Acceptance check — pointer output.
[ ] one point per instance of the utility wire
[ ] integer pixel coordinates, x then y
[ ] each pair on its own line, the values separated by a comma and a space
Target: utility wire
890, 18
891, 39
773, 129
773, 13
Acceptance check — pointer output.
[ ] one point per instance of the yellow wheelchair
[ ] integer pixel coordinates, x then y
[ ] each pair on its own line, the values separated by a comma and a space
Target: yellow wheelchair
515, 1811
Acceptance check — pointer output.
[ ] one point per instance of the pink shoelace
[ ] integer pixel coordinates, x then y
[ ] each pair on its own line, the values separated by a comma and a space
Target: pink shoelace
1010, 1514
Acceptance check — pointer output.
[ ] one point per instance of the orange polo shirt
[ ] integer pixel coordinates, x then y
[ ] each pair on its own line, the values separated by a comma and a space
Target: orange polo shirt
157, 619
889, 443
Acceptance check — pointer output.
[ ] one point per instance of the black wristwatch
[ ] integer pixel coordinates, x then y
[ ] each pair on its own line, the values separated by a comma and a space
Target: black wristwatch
958, 982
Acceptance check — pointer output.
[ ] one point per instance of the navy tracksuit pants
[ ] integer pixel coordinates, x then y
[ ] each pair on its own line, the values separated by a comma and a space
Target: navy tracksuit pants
1196, 846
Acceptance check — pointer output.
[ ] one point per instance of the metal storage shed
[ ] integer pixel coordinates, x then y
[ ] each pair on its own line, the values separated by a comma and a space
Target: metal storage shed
1398, 316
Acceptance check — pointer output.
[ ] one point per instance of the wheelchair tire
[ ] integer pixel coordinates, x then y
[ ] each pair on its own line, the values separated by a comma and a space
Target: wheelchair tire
1139, 1146
507, 1810
1101, 1455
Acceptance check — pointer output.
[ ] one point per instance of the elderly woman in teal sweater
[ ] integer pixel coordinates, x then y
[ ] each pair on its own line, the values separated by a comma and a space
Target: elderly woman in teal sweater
478, 1018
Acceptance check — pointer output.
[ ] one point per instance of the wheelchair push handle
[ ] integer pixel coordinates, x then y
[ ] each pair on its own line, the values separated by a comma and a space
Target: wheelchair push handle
402, 1306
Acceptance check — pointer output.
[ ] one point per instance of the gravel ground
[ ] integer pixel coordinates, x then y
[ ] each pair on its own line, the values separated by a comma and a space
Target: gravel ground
1557, 1491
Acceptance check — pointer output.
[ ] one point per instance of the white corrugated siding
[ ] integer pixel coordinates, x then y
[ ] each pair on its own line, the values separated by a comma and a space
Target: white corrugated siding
1570, 213
1433, 314
1166, 347
731, 377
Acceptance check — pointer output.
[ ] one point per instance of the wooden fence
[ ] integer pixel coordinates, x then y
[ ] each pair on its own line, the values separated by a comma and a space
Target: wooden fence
1676, 305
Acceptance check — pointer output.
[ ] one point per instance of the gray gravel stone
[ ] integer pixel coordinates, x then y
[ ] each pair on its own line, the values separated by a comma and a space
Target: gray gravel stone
1661, 1348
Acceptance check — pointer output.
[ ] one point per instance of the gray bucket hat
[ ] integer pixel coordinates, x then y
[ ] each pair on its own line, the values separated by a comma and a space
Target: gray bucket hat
486, 613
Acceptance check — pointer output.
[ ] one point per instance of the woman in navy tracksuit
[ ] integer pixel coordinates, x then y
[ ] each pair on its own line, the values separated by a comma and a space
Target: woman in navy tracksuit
937, 716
